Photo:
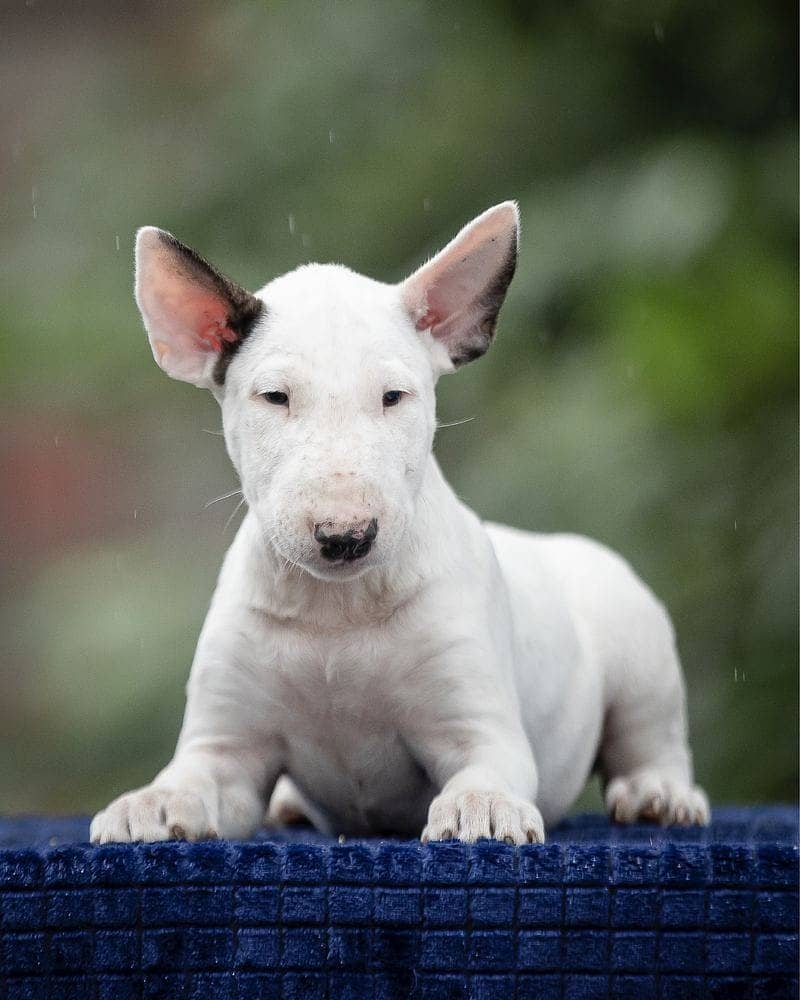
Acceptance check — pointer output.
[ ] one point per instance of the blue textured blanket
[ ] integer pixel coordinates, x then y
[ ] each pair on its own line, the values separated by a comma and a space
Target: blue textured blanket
598, 911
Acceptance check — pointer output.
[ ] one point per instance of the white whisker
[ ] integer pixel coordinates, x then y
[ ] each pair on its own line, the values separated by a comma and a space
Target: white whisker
233, 515
225, 496
286, 563
454, 423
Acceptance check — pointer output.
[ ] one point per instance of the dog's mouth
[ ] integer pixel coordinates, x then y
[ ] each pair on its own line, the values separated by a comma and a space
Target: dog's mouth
344, 567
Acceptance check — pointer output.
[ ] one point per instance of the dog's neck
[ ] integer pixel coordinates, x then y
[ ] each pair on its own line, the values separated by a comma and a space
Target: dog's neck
293, 597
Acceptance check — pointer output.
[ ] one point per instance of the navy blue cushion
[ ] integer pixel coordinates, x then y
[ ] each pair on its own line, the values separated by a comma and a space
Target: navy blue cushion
599, 911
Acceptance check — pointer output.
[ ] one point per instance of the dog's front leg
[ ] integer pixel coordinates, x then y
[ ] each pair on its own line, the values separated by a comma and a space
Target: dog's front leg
484, 765
220, 779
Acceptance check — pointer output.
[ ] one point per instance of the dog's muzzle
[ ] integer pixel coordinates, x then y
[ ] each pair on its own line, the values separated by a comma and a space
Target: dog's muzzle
348, 546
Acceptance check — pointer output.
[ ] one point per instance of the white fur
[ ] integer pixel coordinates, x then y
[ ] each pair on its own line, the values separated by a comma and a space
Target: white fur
460, 680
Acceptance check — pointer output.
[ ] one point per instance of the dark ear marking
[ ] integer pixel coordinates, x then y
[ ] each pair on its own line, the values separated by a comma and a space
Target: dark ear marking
487, 310
243, 325
243, 308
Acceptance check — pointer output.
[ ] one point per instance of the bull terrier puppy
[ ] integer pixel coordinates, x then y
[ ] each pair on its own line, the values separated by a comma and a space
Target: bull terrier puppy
401, 666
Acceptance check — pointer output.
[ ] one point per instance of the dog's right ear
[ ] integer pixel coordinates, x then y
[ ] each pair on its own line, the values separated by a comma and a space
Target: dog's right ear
195, 317
458, 294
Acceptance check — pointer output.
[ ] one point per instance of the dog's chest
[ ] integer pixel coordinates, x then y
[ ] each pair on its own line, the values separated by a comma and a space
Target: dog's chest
341, 717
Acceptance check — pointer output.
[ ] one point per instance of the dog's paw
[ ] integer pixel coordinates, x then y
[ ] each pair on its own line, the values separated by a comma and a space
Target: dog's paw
152, 814
469, 816
648, 795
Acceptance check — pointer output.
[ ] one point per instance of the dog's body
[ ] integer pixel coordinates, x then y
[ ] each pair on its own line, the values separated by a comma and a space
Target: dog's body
404, 665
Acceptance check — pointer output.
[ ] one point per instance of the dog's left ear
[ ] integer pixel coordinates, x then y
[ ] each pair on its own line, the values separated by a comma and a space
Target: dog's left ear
457, 295
195, 317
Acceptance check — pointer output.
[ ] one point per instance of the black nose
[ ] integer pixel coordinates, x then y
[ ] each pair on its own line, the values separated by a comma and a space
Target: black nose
353, 544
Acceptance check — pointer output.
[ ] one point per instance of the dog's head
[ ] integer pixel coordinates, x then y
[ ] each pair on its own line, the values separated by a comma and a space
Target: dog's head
326, 380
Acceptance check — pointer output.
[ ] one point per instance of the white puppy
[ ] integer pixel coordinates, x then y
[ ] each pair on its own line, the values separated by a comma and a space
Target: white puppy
406, 667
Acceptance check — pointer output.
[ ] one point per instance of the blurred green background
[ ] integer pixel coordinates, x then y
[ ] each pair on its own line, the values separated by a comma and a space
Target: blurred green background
642, 390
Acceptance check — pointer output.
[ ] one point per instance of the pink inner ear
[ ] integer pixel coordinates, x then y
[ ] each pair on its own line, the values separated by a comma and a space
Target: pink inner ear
212, 335
208, 317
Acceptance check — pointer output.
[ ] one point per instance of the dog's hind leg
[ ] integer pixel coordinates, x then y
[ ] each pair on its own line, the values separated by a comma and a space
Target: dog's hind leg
645, 761
289, 807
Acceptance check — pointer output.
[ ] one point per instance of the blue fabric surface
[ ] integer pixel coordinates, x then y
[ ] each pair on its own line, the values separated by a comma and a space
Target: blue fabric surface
598, 911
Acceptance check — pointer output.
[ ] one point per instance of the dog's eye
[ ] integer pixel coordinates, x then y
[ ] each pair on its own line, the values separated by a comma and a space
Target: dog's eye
392, 398
277, 398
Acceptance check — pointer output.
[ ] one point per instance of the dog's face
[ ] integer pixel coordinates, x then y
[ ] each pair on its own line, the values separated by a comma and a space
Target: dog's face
328, 410
326, 381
